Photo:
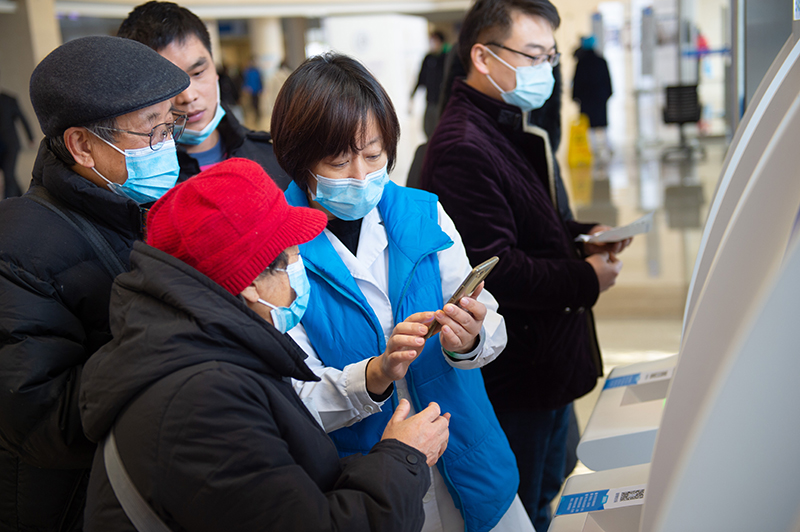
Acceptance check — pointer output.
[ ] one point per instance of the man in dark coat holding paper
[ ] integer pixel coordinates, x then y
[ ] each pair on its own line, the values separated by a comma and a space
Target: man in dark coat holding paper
493, 175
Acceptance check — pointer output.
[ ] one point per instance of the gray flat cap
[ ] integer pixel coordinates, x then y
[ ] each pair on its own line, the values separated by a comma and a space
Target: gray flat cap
95, 78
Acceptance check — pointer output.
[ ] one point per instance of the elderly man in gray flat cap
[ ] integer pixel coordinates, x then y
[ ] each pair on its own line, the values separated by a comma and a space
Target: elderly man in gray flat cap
103, 104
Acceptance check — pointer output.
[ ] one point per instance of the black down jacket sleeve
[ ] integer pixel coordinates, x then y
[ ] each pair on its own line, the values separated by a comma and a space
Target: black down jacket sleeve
42, 350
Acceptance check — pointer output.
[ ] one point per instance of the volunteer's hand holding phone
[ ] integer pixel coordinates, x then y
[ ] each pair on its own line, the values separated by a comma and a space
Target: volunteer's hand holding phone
403, 347
461, 324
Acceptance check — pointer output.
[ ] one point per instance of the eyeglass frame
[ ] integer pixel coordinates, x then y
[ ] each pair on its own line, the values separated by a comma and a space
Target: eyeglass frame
170, 128
553, 59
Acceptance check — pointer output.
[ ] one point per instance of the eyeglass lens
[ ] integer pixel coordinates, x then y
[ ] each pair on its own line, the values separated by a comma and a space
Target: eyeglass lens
161, 133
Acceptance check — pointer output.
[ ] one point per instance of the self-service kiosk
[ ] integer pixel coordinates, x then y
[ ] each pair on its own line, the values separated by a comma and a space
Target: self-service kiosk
725, 447
744, 241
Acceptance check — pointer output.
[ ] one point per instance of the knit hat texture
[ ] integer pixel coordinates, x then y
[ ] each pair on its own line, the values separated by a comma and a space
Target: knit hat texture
230, 222
95, 78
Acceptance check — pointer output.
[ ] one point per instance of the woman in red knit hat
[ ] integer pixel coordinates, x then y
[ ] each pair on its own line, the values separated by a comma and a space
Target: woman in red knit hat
192, 398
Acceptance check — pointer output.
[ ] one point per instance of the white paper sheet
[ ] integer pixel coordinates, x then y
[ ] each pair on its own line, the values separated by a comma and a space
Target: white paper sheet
642, 225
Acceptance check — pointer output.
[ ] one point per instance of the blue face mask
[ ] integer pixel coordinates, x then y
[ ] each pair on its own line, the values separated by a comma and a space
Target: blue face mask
285, 318
351, 199
534, 85
194, 138
150, 173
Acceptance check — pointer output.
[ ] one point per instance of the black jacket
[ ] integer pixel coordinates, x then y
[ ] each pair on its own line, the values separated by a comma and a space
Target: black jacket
239, 142
10, 113
53, 316
209, 427
591, 86
493, 180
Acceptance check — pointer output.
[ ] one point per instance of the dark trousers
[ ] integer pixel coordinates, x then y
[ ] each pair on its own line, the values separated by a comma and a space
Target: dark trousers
431, 119
8, 163
539, 441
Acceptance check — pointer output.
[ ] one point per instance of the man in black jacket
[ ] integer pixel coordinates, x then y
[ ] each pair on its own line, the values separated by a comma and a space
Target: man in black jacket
212, 132
103, 105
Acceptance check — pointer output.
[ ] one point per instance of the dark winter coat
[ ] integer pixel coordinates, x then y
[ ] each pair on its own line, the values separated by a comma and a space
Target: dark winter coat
209, 427
53, 316
591, 86
239, 141
492, 179
10, 113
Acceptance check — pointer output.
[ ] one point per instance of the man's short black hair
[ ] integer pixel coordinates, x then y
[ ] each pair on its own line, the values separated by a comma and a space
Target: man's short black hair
158, 24
490, 20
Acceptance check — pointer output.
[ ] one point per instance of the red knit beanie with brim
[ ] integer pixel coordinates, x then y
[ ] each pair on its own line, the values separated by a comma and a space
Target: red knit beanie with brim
230, 222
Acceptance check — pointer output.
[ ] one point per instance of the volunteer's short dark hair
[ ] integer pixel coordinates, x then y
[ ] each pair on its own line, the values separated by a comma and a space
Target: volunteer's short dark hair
490, 20
322, 110
100, 128
438, 35
158, 24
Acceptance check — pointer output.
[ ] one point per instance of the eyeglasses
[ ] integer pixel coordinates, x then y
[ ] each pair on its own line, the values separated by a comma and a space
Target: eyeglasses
553, 59
160, 133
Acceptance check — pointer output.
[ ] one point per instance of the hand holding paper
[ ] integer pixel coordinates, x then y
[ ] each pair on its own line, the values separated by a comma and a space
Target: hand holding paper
618, 234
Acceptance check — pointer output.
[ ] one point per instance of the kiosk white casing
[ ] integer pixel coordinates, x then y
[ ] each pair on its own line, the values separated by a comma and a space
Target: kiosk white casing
631, 428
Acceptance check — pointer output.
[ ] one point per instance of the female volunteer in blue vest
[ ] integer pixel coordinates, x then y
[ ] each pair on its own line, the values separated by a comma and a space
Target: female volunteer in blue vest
387, 260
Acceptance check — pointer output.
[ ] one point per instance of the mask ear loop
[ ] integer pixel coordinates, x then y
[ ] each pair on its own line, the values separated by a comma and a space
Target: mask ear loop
496, 86
267, 303
104, 178
499, 58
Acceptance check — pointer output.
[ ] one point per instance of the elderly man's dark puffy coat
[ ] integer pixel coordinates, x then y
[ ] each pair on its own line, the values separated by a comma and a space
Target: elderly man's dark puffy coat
493, 179
196, 386
53, 316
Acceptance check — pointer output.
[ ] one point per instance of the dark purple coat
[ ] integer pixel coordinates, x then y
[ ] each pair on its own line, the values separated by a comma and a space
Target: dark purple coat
493, 180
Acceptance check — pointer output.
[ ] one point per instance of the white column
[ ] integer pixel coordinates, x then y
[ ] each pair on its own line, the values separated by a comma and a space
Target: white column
266, 42
213, 32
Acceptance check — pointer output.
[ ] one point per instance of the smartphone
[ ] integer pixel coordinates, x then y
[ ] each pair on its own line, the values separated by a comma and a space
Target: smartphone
469, 285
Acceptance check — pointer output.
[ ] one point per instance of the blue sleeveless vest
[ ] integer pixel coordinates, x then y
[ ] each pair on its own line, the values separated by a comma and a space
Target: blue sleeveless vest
478, 465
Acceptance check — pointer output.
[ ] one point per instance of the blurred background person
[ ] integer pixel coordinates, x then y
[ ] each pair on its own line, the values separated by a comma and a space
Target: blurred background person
388, 258
591, 89
230, 90
253, 86
274, 85
10, 114
430, 76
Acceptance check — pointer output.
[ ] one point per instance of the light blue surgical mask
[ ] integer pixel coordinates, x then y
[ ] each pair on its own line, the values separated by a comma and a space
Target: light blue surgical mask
351, 199
194, 138
150, 173
534, 85
286, 318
